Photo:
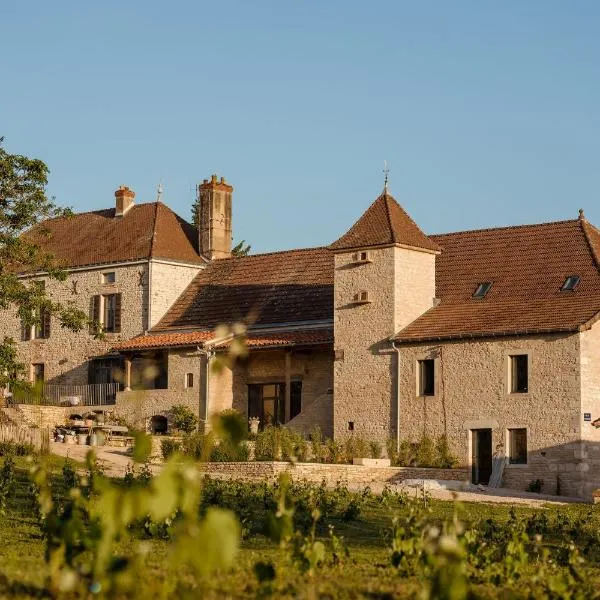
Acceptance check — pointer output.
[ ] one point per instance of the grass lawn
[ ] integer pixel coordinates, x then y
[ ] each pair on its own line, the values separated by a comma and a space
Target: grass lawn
366, 573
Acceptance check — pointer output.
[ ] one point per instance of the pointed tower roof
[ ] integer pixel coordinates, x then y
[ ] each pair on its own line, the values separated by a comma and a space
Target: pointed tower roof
385, 223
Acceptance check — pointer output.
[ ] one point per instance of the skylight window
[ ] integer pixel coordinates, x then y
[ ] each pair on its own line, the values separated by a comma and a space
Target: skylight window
570, 283
482, 289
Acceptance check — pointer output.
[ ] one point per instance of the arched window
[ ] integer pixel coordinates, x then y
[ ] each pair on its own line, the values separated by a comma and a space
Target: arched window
158, 424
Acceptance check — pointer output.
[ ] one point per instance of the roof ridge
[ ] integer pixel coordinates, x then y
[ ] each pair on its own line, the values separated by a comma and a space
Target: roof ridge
523, 226
154, 230
584, 224
220, 260
386, 199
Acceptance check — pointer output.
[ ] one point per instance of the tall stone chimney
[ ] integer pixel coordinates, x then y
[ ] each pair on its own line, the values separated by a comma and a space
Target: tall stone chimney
124, 197
215, 218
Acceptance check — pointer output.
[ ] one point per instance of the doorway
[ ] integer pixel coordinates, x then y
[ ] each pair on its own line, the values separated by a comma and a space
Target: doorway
481, 455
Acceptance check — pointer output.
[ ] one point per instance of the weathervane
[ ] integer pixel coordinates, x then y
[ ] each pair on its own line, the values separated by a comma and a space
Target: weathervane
386, 172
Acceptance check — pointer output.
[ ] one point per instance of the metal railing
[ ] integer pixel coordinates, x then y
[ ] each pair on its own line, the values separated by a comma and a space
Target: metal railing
68, 395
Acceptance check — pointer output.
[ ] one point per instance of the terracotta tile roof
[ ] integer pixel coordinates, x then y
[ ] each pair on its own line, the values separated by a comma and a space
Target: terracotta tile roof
527, 266
384, 223
280, 287
146, 230
165, 340
271, 339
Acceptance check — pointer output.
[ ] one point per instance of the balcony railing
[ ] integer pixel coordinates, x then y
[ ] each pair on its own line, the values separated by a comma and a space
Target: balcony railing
68, 395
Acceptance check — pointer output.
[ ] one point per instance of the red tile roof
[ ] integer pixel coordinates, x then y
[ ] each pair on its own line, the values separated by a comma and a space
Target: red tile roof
294, 286
273, 339
527, 266
145, 231
384, 223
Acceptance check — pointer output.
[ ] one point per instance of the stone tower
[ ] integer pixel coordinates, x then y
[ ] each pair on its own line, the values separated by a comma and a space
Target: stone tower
214, 220
384, 279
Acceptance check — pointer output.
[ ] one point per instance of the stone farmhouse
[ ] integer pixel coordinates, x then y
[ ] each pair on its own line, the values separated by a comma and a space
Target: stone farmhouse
486, 336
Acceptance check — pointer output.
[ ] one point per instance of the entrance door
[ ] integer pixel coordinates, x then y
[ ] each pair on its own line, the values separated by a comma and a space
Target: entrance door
481, 458
267, 402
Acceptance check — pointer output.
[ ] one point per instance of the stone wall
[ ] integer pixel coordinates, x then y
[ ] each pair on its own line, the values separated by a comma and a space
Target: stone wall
65, 353
401, 286
169, 280
472, 392
316, 472
50, 416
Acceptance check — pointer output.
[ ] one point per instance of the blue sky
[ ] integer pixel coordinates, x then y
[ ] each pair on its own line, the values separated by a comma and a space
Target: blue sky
488, 113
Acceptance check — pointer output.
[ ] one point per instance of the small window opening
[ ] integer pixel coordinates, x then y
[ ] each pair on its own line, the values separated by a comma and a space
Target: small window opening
350, 425
189, 380
570, 283
519, 375
517, 446
482, 289
427, 377
108, 277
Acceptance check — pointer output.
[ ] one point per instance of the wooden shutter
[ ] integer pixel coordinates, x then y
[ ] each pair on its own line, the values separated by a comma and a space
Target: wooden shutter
45, 324
94, 313
117, 312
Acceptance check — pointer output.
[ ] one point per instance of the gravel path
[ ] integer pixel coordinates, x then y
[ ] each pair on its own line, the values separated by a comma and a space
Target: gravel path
115, 462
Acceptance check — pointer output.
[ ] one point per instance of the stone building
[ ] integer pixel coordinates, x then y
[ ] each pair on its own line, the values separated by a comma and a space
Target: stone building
488, 337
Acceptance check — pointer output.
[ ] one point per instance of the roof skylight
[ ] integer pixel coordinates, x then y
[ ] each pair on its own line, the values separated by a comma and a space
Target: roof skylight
482, 289
571, 282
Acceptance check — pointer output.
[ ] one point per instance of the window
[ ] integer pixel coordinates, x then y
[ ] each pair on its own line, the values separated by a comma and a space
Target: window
37, 373
570, 283
267, 402
39, 330
106, 310
108, 277
189, 380
427, 377
350, 425
482, 289
517, 446
519, 374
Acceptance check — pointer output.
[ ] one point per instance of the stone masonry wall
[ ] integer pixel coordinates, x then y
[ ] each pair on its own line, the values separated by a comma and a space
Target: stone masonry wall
169, 280
401, 286
472, 391
316, 472
65, 353
590, 404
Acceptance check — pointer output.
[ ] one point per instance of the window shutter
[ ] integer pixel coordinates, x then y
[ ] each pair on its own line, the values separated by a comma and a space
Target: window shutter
118, 312
94, 312
45, 323
91, 372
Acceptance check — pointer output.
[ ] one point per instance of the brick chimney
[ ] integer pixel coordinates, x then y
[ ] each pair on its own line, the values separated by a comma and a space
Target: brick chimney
214, 218
124, 197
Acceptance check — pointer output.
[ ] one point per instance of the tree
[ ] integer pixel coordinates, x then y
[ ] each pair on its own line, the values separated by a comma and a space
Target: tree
23, 205
241, 249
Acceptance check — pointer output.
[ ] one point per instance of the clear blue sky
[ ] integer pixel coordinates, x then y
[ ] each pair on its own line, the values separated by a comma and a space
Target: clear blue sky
488, 112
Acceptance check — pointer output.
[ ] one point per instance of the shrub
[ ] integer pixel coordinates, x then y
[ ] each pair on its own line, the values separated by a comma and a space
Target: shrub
316, 444
9, 448
334, 452
194, 445
279, 443
426, 452
169, 447
226, 451
354, 447
376, 449
407, 455
535, 486
392, 451
183, 418
444, 459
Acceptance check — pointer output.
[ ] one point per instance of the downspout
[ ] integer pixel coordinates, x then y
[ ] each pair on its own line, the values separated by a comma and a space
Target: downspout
208, 354
397, 395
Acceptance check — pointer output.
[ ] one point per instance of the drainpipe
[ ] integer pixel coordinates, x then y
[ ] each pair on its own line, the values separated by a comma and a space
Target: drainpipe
208, 354
397, 395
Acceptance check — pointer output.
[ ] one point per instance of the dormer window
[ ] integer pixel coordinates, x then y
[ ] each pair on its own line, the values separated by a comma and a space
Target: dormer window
482, 289
571, 282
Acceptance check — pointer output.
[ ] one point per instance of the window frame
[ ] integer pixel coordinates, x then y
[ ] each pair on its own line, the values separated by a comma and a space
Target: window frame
109, 277
513, 458
188, 380
575, 279
482, 290
515, 380
426, 370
